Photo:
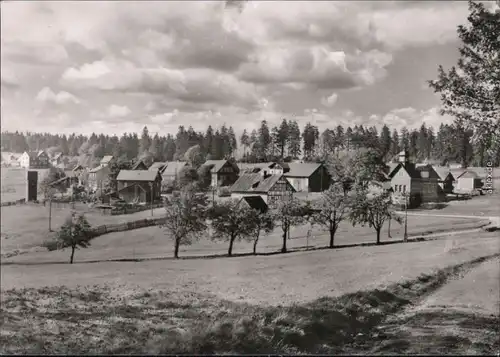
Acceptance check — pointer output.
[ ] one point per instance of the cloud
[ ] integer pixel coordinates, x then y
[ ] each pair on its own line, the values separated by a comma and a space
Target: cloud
330, 100
177, 62
46, 95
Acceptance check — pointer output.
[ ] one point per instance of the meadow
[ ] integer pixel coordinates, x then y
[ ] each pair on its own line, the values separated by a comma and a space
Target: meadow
326, 301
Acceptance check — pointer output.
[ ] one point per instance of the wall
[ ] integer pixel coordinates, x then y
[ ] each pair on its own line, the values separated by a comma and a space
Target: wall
319, 180
299, 184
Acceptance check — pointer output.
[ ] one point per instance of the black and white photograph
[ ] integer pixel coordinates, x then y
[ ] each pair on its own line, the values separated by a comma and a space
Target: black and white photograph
250, 177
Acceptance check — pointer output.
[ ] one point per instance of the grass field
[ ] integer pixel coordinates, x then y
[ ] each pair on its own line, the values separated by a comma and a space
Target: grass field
152, 241
307, 302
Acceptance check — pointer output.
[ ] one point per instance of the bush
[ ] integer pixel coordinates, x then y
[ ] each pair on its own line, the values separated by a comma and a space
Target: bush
224, 192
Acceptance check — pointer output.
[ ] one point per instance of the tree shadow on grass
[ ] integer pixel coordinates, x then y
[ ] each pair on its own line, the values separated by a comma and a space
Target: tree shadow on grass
439, 332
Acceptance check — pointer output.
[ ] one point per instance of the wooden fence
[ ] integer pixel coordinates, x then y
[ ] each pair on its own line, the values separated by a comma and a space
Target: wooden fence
13, 203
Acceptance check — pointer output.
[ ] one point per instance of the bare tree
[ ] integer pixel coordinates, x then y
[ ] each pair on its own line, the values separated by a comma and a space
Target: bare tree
185, 217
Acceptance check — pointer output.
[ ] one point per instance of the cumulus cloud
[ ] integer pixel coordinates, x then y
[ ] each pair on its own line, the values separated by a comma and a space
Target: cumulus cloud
330, 100
46, 95
176, 62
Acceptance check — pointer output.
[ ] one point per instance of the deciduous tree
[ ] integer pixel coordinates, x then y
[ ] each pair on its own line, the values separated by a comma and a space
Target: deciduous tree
76, 232
185, 217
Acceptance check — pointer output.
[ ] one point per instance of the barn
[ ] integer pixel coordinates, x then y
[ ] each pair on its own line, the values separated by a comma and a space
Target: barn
307, 177
139, 186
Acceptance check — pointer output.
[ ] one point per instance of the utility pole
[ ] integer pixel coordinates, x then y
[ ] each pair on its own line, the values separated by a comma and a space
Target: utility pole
151, 194
405, 238
50, 213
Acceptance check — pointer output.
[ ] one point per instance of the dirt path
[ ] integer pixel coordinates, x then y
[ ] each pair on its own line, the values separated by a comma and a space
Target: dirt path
462, 317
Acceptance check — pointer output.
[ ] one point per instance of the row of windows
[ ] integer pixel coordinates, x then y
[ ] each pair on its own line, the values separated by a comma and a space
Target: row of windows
400, 188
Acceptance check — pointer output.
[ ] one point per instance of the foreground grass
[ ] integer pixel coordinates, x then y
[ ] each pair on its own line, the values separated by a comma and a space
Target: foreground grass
98, 320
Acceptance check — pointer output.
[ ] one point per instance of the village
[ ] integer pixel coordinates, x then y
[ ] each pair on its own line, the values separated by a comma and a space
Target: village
272, 181
250, 178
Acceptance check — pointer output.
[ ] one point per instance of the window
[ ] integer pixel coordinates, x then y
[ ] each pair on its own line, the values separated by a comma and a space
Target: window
404, 188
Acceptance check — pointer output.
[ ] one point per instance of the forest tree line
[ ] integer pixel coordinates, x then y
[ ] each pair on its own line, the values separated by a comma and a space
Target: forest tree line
286, 141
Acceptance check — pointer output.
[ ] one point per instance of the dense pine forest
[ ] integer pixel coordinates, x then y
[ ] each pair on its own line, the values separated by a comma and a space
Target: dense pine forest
449, 143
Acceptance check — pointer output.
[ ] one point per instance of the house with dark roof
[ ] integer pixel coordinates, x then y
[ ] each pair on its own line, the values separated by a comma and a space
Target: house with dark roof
307, 176
468, 181
171, 170
35, 160
254, 202
272, 188
223, 172
139, 165
158, 166
140, 186
446, 178
420, 183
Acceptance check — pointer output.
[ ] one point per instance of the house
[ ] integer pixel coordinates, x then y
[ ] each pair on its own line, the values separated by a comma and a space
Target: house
34, 160
420, 183
468, 181
57, 159
253, 167
271, 188
71, 179
142, 186
254, 202
224, 172
139, 165
97, 176
308, 177
171, 170
158, 166
446, 178
105, 161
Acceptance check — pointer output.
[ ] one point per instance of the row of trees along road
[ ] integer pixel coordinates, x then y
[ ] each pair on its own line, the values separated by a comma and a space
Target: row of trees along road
189, 216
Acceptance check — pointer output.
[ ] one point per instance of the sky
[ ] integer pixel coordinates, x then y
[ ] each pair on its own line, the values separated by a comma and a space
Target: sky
114, 67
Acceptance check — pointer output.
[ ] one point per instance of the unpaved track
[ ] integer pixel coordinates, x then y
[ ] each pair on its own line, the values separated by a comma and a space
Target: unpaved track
461, 317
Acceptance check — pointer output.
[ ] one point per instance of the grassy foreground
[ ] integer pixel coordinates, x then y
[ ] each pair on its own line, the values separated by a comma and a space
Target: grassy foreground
100, 320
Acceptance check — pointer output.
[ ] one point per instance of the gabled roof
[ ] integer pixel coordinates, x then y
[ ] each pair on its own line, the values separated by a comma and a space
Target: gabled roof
468, 174
305, 169
255, 182
409, 168
443, 172
158, 166
392, 166
97, 169
255, 202
249, 167
137, 175
173, 168
106, 159
217, 165
78, 167
138, 164
428, 168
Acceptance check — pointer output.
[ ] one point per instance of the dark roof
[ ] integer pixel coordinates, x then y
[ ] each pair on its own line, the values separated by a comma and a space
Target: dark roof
305, 169
443, 172
138, 164
409, 167
249, 167
137, 175
428, 168
173, 167
217, 165
255, 182
256, 202
245, 181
